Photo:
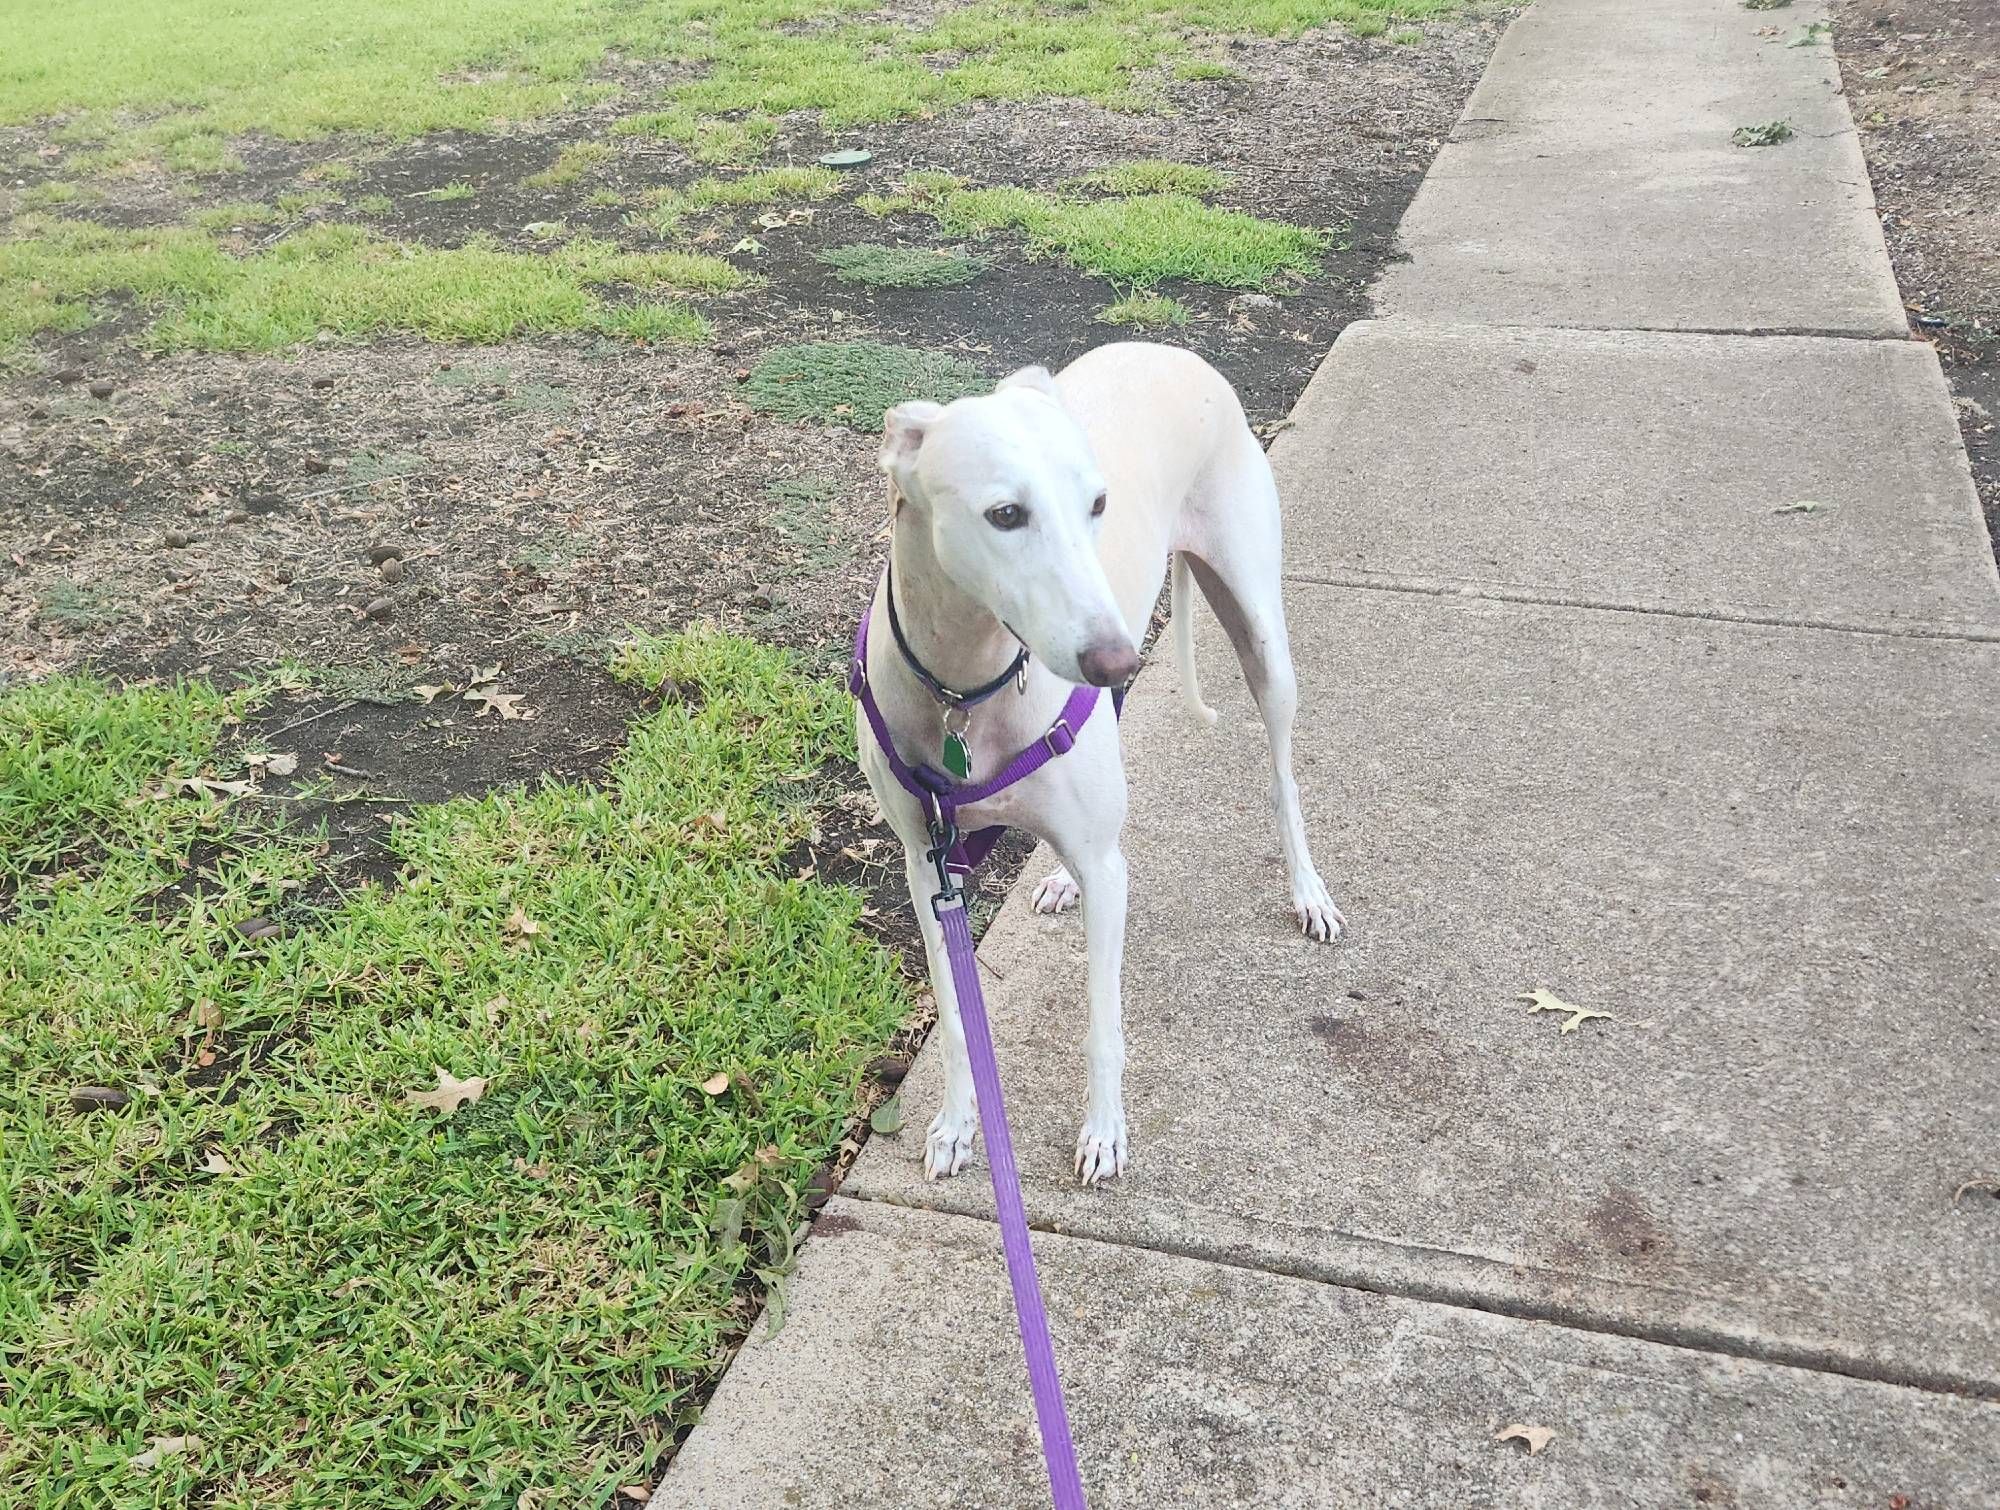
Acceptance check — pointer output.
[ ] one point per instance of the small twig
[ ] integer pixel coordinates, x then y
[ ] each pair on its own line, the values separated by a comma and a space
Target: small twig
300, 723
357, 800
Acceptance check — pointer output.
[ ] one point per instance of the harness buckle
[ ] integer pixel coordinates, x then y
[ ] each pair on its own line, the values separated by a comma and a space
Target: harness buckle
1060, 739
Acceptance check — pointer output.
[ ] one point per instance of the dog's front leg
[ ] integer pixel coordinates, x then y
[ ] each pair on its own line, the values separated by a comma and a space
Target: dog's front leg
1100, 1146
949, 1144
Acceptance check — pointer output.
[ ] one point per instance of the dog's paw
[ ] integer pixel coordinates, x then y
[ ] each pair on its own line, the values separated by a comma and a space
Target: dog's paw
1056, 893
1319, 919
1100, 1149
948, 1147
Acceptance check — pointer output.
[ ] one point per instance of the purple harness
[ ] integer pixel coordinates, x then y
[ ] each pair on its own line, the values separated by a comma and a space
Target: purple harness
941, 796
956, 856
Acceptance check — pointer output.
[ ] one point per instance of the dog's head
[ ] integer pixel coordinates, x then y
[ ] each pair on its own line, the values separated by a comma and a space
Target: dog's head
1012, 498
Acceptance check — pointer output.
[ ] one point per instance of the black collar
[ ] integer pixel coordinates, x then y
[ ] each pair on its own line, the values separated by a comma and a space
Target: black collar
938, 689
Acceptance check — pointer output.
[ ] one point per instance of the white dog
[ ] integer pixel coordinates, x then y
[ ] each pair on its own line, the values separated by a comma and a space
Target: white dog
1032, 528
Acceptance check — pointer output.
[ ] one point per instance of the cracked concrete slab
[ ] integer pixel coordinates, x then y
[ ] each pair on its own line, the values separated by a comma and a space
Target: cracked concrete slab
896, 1381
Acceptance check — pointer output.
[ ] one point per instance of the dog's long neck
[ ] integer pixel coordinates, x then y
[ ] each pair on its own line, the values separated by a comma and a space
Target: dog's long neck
956, 637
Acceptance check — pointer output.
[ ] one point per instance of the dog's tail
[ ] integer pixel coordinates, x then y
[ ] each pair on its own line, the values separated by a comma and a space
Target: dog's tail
1181, 606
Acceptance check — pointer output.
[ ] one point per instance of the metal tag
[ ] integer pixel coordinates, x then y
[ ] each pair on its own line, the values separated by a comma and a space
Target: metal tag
957, 755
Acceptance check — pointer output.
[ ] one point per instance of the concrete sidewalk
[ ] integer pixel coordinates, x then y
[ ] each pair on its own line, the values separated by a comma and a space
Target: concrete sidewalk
1590, 706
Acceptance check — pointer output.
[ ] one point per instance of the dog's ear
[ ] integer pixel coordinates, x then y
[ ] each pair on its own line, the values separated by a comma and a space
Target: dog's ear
903, 430
1036, 378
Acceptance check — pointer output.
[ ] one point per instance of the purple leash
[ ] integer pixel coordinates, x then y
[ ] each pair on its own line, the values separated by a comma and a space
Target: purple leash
1058, 1446
955, 856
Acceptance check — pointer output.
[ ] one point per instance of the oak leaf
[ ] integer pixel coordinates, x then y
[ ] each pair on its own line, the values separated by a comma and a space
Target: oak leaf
1547, 1001
450, 1094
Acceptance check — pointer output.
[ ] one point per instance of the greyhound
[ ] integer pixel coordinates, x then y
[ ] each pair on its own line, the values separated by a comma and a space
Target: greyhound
1031, 529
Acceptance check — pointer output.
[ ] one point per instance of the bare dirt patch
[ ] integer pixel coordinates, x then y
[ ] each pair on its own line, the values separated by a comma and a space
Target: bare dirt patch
232, 516
1923, 80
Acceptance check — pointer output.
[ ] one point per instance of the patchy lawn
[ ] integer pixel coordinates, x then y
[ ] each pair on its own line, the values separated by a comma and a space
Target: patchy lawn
365, 382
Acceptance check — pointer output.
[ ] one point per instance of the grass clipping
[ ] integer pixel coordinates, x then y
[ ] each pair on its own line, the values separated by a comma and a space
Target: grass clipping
854, 383
416, 1189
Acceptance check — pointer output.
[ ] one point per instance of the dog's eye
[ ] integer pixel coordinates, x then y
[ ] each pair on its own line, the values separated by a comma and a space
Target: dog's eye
1006, 516
1097, 505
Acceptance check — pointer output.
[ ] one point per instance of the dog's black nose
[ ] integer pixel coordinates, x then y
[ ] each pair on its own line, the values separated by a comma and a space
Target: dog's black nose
1108, 665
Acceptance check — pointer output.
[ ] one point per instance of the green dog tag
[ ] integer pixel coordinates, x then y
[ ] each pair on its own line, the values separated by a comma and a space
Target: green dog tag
957, 758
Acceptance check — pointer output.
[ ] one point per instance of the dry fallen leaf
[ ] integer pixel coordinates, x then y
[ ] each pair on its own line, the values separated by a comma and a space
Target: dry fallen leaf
532, 1171
162, 1447
493, 700
717, 1083
1537, 1437
519, 922
205, 786
495, 1007
1548, 1001
430, 693
282, 764
450, 1094
639, 1492
214, 1163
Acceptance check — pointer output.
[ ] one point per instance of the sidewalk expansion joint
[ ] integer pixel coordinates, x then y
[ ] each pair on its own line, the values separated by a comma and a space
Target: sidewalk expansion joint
1748, 332
1433, 587
1689, 1337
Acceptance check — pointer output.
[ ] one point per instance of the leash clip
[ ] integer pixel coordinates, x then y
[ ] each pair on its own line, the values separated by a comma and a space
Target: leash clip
944, 838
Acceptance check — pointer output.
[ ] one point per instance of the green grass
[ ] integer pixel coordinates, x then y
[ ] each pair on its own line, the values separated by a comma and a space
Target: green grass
329, 277
1191, 70
347, 1299
765, 186
1139, 240
180, 78
52, 195
385, 66
298, 201
572, 163
68, 606
1153, 176
232, 217
656, 324
877, 266
1768, 134
854, 383
1144, 312
710, 141
456, 192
